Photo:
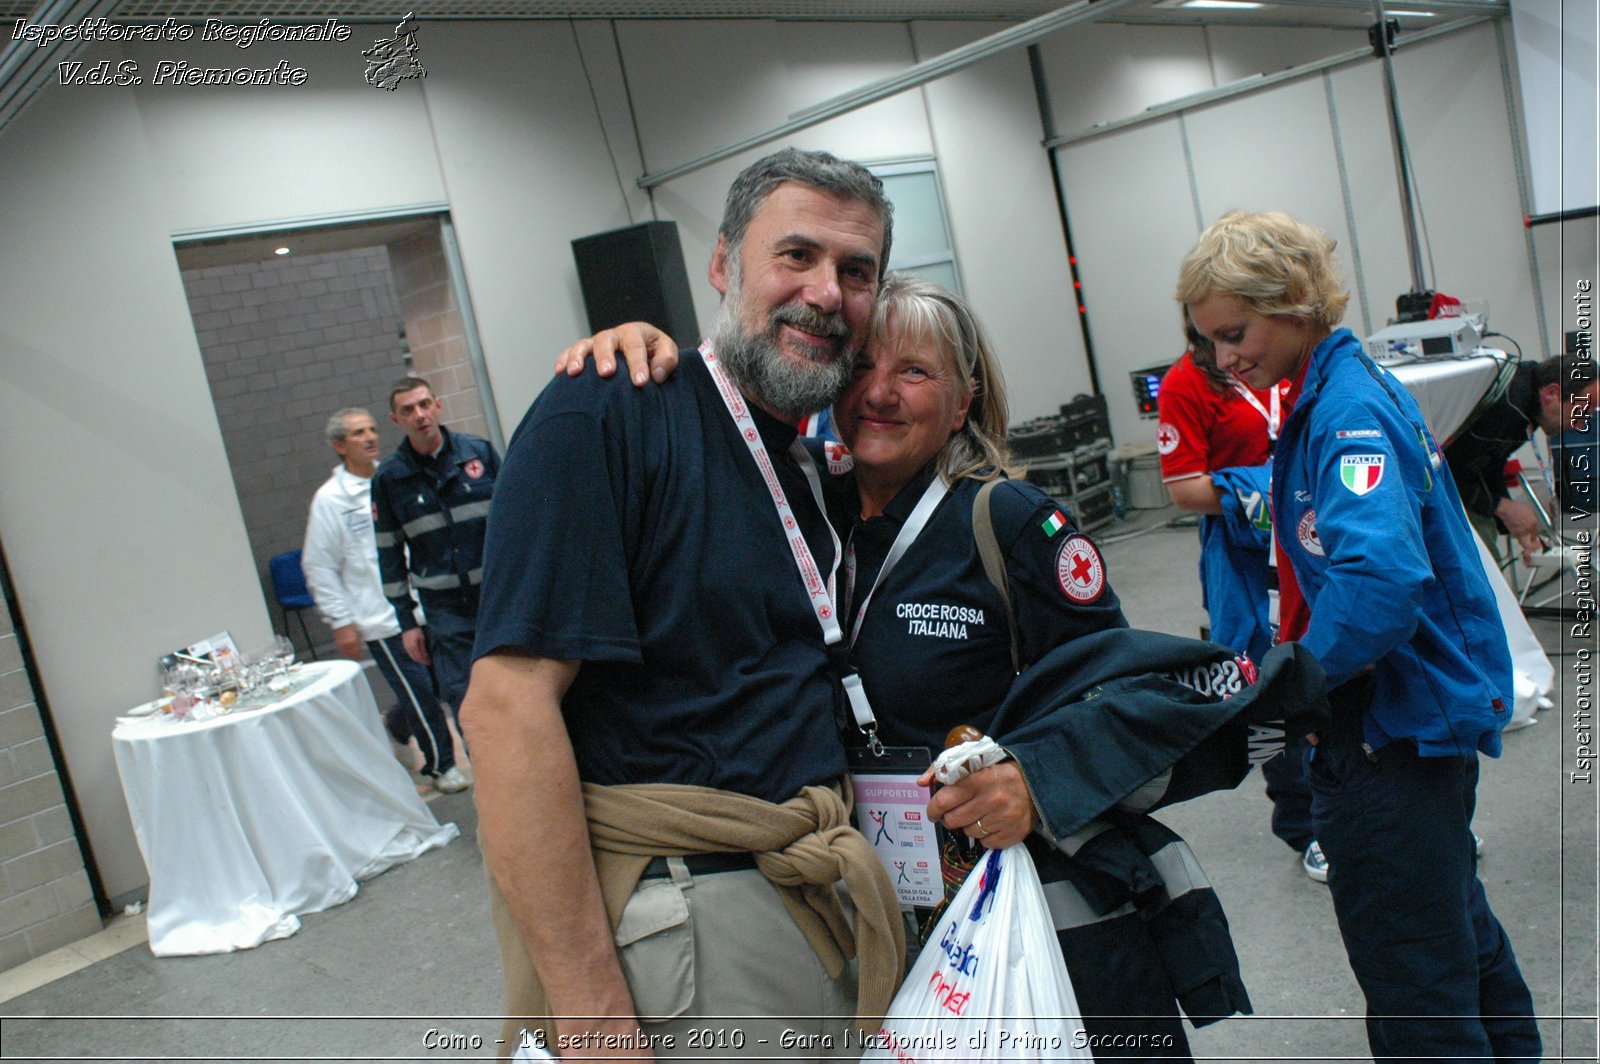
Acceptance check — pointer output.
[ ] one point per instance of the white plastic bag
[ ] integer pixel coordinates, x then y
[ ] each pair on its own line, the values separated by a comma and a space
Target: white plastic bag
990, 984
958, 762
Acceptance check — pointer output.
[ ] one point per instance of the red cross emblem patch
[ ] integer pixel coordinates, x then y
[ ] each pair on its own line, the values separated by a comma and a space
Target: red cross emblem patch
474, 468
1306, 533
839, 458
1079, 570
1166, 438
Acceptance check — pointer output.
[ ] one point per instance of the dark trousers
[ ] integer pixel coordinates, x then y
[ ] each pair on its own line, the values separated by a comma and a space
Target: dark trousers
1435, 966
450, 635
1290, 793
419, 706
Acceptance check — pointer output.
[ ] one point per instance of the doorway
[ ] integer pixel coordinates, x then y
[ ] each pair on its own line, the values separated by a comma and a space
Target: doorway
296, 323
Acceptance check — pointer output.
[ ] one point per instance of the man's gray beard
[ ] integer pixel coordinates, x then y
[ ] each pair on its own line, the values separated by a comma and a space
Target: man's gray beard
764, 373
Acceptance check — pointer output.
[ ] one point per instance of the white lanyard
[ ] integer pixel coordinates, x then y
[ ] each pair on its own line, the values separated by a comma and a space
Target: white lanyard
932, 496
819, 591
860, 705
1274, 417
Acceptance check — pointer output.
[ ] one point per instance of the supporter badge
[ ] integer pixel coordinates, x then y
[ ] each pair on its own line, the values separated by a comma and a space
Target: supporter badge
1166, 438
1361, 472
1079, 570
473, 468
839, 458
1306, 533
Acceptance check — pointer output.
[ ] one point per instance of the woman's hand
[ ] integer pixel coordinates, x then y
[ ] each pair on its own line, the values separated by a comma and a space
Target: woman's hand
996, 796
648, 351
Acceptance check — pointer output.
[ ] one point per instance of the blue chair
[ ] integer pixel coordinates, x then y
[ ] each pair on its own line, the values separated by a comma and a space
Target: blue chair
289, 588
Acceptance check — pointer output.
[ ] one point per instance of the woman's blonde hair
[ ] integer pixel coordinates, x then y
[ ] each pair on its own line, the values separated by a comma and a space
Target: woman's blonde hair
1277, 264
921, 310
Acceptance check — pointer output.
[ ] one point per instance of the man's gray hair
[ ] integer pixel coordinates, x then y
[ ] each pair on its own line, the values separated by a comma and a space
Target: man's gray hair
815, 169
337, 430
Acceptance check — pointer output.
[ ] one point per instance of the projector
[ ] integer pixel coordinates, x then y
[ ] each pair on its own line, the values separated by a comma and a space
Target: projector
1415, 341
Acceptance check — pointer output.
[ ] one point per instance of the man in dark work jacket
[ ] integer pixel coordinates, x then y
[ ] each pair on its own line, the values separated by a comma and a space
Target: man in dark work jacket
1553, 395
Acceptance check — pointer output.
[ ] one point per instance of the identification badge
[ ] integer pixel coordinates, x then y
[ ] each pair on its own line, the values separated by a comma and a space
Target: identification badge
892, 812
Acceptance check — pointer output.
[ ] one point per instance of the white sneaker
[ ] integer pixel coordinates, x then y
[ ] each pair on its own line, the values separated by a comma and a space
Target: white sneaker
1314, 863
450, 782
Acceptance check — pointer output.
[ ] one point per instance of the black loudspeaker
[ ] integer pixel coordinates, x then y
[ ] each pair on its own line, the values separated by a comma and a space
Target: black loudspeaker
637, 274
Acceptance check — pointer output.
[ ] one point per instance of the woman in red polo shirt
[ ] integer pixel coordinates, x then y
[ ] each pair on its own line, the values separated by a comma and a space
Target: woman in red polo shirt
1215, 441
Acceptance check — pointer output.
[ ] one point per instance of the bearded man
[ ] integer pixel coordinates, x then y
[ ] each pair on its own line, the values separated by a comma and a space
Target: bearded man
651, 710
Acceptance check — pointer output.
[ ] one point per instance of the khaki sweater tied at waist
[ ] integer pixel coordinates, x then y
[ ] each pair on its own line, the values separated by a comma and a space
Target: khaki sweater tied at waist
803, 846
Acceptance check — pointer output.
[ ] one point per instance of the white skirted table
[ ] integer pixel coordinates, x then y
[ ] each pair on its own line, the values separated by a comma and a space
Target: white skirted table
1449, 389
247, 819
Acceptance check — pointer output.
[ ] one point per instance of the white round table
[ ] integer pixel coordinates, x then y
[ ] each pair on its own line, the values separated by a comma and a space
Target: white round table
248, 819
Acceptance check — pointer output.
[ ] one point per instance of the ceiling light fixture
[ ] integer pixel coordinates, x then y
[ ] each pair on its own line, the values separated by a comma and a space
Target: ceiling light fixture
1224, 5
280, 251
1409, 14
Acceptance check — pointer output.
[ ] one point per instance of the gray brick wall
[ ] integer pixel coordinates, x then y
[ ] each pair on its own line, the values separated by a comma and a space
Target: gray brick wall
45, 898
434, 329
286, 343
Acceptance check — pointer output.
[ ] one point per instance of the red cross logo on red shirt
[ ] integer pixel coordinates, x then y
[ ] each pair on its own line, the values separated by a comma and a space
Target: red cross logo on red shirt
1166, 438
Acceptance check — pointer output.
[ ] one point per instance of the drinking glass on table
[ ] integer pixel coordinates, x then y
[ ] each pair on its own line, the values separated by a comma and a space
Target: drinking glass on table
283, 650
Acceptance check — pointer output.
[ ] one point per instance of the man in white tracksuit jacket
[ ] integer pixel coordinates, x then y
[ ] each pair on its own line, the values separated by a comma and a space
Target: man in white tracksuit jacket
340, 560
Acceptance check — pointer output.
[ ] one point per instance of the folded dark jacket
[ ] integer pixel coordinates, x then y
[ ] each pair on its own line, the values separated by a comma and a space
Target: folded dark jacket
1137, 720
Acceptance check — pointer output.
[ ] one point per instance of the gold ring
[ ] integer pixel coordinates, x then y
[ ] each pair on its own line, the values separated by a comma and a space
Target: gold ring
986, 832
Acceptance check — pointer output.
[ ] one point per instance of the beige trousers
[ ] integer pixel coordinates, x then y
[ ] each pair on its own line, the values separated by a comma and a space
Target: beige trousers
718, 970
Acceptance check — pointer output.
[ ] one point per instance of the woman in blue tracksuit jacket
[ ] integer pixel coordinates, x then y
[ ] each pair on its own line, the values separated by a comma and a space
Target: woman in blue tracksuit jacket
1404, 623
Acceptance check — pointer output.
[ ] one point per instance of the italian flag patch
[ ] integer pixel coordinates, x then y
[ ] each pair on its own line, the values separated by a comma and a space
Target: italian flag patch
1361, 472
1054, 523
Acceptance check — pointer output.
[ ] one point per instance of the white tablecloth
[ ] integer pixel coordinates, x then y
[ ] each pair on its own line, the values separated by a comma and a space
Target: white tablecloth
1448, 390
247, 819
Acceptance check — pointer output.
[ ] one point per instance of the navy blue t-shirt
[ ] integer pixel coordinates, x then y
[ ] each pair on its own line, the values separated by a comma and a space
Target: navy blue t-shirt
632, 530
934, 650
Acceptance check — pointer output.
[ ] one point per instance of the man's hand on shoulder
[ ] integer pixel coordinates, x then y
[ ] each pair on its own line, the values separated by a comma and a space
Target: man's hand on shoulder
649, 353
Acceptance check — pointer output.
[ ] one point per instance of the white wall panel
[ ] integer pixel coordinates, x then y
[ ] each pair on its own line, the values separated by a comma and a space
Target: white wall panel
117, 508
1362, 114
699, 86
1269, 151
1103, 73
232, 154
1238, 52
1132, 220
1453, 101
1557, 70
1568, 253
1003, 218
527, 167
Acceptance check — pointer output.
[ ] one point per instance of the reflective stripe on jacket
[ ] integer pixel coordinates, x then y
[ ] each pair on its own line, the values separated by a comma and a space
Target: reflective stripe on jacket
430, 519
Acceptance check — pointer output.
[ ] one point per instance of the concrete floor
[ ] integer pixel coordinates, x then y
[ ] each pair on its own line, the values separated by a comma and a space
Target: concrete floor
407, 970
